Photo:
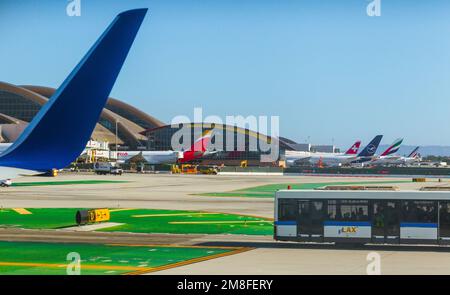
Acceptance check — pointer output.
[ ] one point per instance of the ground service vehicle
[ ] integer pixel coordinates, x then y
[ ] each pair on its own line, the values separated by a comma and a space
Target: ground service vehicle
103, 168
388, 217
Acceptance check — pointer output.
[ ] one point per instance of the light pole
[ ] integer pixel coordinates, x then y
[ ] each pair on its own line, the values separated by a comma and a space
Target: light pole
117, 121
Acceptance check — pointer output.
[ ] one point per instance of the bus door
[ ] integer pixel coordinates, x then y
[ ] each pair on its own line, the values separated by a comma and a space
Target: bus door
419, 221
311, 215
444, 222
386, 221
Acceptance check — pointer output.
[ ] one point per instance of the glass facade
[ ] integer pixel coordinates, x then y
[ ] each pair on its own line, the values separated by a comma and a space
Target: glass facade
130, 116
18, 107
227, 142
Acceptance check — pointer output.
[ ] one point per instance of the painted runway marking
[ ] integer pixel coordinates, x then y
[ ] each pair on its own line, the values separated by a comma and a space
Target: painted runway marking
124, 209
58, 265
22, 211
172, 246
174, 214
191, 261
219, 222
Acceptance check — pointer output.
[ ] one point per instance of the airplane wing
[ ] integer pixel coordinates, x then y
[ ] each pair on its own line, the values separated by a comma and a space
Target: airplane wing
58, 133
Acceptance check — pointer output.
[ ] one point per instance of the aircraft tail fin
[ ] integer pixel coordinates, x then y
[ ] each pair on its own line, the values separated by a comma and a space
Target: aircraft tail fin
201, 144
371, 148
60, 130
353, 150
414, 153
198, 149
393, 148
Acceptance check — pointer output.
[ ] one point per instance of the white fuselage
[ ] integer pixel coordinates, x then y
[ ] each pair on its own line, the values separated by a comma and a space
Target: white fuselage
294, 158
393, 160
4, 147
385, 160
9, 172
328, 159
151, 157
332, 159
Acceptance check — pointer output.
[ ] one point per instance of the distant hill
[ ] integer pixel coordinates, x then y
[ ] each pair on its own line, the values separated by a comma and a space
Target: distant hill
427, 150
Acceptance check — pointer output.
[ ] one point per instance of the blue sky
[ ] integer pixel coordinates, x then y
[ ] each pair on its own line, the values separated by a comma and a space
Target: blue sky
326, 68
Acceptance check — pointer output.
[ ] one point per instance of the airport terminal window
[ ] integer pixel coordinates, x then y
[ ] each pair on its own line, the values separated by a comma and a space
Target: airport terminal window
18, 107
419, 211
287, 209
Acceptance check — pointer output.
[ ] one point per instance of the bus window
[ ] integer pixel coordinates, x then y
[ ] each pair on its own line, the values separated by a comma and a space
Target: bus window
419, 211
332, 209
354, 210
287, 209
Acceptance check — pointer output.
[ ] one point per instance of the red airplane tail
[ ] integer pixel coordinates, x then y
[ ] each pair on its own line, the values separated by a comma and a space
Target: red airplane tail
353, 150
198, 148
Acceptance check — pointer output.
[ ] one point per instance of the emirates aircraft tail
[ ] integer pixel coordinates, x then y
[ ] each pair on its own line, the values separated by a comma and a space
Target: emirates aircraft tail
353, 150
393, 148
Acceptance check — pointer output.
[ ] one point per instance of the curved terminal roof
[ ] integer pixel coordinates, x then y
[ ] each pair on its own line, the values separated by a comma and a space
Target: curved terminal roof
283, 142
19, 104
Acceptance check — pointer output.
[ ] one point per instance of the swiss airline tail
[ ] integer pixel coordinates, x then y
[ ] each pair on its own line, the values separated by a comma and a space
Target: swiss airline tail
354, 148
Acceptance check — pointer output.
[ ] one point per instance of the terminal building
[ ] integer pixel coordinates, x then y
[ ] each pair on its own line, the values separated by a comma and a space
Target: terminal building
129, 128
246, 144
19, 105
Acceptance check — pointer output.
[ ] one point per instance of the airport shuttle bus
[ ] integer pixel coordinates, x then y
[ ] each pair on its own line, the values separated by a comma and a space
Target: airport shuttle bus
388, 217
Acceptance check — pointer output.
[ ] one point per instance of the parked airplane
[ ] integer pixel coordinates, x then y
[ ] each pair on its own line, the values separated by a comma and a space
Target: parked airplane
294, 158
388, 156
328, 159
198, 149
4, 146
368, 152
413, 157
57, 130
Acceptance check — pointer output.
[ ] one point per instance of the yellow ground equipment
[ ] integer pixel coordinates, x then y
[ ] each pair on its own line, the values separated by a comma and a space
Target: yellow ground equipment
92, 216
189, 169
244, 164
175, 169
419, 180
207, 170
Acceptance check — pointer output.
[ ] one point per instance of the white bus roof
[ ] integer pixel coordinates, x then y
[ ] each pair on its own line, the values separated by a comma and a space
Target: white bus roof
364, 195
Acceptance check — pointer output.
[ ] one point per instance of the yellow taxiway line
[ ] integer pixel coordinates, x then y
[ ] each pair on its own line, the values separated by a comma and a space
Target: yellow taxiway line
83, 266
190, 261
22, 211
123, 209
173, 246
174, 214
220, 222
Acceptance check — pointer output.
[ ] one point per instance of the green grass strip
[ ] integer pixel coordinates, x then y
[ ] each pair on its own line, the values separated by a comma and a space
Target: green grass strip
151, 221
29, 258
268, 191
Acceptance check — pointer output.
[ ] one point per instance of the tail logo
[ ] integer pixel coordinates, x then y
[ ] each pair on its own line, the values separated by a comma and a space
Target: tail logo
371, 148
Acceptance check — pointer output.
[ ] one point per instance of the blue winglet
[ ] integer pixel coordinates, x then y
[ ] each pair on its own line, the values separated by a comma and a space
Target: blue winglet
60, 130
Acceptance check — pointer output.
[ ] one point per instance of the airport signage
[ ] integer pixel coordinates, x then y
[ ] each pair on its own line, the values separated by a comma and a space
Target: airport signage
335, 229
